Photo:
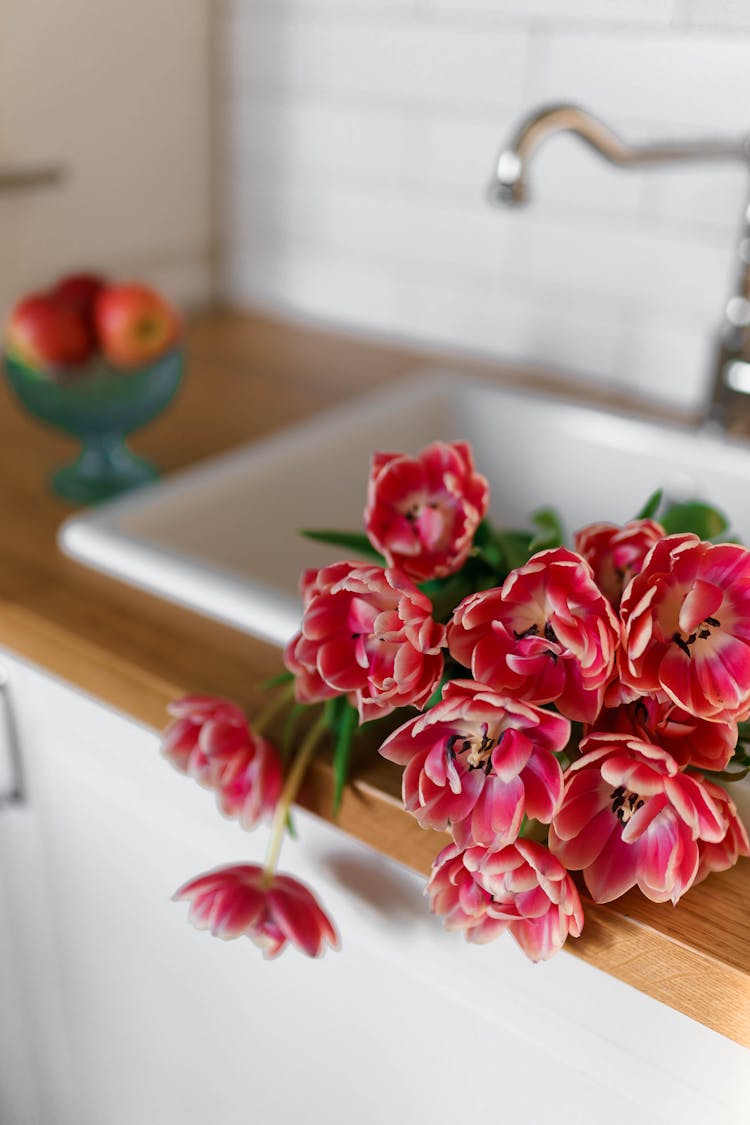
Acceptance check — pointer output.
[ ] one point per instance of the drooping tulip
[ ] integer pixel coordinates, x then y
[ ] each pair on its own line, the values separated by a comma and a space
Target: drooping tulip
240, 899
211, 741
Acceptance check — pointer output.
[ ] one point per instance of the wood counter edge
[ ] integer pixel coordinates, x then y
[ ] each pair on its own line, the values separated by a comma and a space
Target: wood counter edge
707, 985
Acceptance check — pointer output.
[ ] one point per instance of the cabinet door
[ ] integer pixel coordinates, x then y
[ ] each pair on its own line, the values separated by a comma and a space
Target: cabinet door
18, 1102
134, 1017
34, 1071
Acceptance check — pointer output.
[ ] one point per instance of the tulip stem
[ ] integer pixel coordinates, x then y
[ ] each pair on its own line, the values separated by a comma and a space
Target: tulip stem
271, 710
288, 793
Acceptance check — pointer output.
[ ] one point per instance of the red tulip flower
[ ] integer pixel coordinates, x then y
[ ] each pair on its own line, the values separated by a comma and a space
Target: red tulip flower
655, 718
616, 554
368, 633
722, 855
521, 888
548, 635
211, 741
422, 512
479, 762
686, 627
631, 816
271, 910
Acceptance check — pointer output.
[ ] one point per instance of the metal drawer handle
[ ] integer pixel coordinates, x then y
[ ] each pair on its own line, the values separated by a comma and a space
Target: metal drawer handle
15, 180
14, 794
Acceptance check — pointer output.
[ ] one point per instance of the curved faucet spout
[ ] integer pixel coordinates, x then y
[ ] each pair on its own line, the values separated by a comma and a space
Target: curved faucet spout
509, 185
730, 395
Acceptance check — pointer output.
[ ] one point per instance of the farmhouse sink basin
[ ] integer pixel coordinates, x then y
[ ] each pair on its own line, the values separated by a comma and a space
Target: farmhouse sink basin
222, 537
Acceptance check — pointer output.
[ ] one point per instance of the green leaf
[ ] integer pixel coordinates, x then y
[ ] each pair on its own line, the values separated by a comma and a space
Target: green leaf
727, 775
741, 757
277, 681
335, 712
501, 550
486, 547
743, 732
446, 593
348, 722
483, 533
342, 720
549, 530
331, 713
350, 540
287, 734
693, 516
650, 508
533, 830
516, 547
438, 692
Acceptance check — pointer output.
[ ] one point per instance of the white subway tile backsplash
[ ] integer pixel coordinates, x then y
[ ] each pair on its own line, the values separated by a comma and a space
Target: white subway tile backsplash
294, 140
658, 12
360, 139
261, 54
699, 196
718, 13
628, 262
669, 82
640, 353
400, 147
340, 9
415, 61
312, 284
504, 321
668, 362
373, 226
397, 147
496, 318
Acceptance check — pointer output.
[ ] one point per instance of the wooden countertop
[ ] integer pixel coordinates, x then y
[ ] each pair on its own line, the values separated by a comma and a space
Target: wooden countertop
249, 375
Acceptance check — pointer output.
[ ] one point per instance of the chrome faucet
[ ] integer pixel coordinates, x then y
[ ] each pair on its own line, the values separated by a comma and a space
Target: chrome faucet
730, 396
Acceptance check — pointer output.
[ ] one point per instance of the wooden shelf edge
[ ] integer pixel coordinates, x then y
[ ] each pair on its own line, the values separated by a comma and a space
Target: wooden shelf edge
688, 979
703, 984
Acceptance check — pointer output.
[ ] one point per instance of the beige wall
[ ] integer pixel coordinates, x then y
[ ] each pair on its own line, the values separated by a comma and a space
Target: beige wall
118, 93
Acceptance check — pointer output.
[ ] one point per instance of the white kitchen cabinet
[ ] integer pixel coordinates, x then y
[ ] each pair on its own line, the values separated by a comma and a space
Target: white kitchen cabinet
34, 1073
115, 1012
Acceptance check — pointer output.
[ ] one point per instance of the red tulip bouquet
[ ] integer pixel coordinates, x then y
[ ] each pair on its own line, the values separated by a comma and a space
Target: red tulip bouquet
556, 710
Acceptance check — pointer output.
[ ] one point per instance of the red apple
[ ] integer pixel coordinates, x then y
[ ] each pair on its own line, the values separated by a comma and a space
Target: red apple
135, 324
80, 290
43, 332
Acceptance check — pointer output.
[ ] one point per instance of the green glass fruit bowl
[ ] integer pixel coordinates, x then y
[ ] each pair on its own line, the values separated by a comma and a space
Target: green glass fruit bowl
99, 405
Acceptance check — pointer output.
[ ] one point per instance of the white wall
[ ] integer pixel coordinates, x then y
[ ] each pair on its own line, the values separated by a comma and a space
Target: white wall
360, 135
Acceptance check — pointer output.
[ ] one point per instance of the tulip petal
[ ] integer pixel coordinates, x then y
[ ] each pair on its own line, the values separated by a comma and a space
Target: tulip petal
614, 871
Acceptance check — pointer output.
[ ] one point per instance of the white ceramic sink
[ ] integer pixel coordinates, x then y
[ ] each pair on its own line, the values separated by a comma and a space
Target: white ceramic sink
222, 537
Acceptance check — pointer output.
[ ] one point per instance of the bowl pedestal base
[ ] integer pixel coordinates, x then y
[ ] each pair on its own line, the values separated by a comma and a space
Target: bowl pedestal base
104, 468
